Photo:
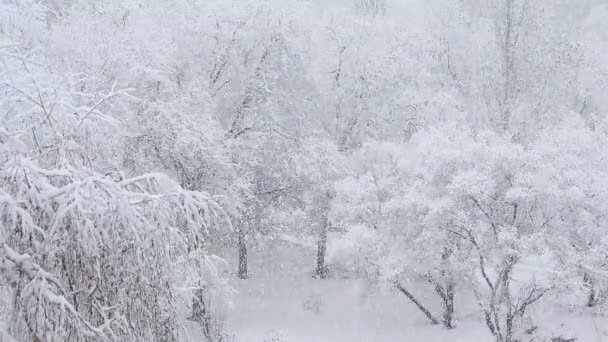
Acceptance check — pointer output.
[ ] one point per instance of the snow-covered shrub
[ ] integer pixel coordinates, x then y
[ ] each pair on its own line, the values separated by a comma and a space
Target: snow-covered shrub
86, 255
355, 254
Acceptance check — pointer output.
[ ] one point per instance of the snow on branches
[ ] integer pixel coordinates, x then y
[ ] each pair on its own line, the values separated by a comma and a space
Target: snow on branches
100, 250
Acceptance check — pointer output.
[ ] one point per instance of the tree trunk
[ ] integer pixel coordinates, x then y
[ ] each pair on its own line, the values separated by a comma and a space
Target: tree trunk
420, 306
509, 328
592, 299
448, 306
321, 270
242, 246
200, 314
446, 292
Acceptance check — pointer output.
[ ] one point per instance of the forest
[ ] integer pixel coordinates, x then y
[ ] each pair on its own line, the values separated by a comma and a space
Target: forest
303, 170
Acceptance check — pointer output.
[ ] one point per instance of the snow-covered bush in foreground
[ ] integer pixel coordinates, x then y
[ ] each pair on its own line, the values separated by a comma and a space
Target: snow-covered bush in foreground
86, 255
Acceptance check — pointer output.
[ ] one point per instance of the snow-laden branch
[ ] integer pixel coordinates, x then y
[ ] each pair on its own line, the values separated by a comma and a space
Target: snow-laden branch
111, 94
48, 313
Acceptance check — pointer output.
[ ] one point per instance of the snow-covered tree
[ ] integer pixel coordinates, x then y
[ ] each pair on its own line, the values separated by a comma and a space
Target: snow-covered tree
570, 176
87, 253
450, 152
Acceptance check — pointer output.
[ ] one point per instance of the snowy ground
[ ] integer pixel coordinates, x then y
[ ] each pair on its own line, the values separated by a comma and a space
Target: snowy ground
290, 306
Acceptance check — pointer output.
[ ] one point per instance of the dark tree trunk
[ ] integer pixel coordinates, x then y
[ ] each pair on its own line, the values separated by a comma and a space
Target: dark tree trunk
321, 269
592, 298
242, 246
200, 314
446, 290
509, 328
418, 304
448, 305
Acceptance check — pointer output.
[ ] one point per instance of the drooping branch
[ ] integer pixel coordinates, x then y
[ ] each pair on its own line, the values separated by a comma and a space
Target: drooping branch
48, 295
